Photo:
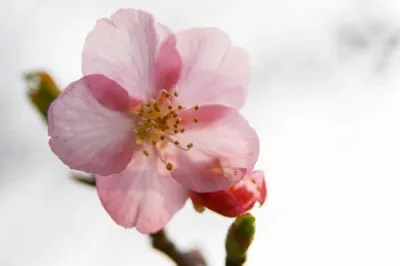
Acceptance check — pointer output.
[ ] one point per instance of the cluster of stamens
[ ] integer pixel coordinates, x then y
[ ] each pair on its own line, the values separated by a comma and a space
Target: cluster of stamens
158, 123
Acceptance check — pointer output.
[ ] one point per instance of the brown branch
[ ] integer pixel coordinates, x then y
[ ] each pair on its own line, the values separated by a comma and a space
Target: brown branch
161, 242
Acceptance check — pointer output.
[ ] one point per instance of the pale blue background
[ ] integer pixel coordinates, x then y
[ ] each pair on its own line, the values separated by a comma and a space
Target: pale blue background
324, 97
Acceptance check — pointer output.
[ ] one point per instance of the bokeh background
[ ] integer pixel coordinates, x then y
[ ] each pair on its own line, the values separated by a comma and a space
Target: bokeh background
324, 97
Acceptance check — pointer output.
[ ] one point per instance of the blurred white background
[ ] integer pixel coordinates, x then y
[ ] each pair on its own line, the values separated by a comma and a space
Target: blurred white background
324, 97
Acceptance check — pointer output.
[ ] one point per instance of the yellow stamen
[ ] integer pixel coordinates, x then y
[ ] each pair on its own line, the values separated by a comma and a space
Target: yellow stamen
169, 167
159, 119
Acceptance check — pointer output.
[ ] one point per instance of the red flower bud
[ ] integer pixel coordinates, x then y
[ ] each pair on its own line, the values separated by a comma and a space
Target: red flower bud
237, 199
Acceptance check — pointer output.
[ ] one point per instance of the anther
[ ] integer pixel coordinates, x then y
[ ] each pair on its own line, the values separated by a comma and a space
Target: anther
169, 166
176, 142
176, 131
170, 107
196, 120
190, 145
146, 153
196, 107
176, 94
162, 137
154, 143
182, 130
180, 107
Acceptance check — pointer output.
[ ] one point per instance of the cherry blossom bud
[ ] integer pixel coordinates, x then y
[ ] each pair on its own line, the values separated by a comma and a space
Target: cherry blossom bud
237, 199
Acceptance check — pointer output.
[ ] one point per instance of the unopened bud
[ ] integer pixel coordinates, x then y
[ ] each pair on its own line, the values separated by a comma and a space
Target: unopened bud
237, 199
42, 91
239, 238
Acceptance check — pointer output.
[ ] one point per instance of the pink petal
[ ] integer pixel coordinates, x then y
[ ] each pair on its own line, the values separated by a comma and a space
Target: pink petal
259, 188
213, 71
141, 196
168, 64
108, 93
225, 148
85, 131
124, 49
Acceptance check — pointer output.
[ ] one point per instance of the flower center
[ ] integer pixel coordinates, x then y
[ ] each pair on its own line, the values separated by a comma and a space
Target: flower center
159, 122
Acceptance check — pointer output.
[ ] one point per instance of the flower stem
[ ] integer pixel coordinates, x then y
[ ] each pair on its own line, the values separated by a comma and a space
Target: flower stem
235, 262
162, 243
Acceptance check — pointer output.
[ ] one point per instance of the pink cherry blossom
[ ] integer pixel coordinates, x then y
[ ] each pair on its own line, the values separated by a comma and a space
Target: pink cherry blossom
155, 116
237, 199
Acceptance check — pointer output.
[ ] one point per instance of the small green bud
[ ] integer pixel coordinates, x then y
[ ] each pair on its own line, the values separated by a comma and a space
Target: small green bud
42, 90
239, 239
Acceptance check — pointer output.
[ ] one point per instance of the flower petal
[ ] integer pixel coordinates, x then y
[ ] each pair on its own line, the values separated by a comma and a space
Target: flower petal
108, 93
237, 199
168, 64
86, 132
225, 148
141, 196
259, 188
124, 49
213, 72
